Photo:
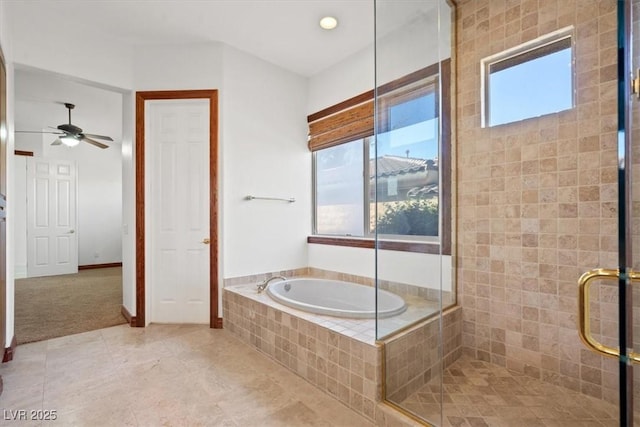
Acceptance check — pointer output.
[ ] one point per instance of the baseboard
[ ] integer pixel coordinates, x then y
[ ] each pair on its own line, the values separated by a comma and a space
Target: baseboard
9, 351
130, 319
93, 266
20, 272
217, 323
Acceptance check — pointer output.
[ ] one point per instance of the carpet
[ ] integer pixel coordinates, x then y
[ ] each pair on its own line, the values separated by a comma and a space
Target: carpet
56, 306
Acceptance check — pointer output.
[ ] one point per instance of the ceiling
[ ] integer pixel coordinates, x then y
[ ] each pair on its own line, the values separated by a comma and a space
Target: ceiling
284, 32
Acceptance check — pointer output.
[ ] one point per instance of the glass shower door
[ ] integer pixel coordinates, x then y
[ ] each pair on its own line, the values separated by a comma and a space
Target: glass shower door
410, 200
630, 391
627, 276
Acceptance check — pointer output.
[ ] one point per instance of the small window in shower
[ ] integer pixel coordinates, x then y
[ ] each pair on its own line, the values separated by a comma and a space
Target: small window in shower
530, 80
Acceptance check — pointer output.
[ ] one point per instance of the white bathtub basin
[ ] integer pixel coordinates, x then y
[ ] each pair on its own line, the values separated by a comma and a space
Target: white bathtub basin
335, 298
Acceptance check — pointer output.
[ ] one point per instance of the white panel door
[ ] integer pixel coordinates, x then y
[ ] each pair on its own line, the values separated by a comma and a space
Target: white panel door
178, 147
52, 241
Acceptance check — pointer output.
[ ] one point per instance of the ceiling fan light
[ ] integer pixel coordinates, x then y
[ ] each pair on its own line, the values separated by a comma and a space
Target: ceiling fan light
69, 140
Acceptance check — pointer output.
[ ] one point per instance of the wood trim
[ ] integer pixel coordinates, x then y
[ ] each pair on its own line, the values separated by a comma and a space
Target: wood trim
23, 153
387, 245
94, 266
141, 98
417, 247
131, 320
342, 241
445, 152
140, 229
10, 351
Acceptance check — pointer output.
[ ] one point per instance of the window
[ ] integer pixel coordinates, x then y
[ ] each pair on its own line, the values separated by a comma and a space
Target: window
339, 182
529, 80
392, 187
405, 162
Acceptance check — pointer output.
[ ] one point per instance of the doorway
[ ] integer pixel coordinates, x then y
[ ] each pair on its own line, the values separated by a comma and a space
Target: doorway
147, 271
86, 250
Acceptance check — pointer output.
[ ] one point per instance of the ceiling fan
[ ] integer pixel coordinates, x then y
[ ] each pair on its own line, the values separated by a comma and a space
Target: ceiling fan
71, 135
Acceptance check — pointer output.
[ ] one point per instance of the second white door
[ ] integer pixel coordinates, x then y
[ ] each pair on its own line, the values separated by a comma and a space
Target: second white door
52, 243
178, 210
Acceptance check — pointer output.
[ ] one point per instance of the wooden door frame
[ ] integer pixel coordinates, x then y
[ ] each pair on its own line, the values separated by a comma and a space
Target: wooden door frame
141, 97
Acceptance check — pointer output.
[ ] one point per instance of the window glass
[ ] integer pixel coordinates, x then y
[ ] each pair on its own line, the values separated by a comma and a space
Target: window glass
339, 189
533, 83
406, 167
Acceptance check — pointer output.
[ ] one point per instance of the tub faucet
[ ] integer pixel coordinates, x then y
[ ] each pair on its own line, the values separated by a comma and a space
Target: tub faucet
262, 286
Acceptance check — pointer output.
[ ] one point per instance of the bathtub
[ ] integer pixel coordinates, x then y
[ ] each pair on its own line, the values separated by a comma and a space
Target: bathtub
335, 298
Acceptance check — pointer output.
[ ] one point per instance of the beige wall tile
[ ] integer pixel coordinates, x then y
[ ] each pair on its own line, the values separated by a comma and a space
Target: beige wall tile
538, 199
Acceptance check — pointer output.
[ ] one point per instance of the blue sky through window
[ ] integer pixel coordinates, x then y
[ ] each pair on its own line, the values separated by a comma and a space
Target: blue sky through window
413, 130
530, 89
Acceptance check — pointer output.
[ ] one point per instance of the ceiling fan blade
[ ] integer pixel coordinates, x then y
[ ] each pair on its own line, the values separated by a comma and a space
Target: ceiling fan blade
107, 138
57, 142
38, 131
94, 142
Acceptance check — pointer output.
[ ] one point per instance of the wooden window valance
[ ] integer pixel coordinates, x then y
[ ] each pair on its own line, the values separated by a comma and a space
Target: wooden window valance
354, 118
344, 122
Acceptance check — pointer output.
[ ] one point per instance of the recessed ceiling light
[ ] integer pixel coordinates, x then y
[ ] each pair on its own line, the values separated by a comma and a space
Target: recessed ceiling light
328, 22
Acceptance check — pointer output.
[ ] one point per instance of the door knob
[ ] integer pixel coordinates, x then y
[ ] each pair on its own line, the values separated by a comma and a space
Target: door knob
206, 241
72, 231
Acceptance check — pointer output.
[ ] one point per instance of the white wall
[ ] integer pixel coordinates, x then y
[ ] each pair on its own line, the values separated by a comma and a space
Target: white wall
264, 154
262, 151
128, 204
20, 216
425, 39
6, 43
44, 41
404, 267
400, 51
178, 67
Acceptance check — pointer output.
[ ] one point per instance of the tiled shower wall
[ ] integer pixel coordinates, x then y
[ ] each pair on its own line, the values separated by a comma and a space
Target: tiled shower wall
537, 202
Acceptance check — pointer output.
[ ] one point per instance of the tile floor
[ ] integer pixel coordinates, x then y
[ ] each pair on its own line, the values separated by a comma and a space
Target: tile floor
163, 375
181, 375
480, 394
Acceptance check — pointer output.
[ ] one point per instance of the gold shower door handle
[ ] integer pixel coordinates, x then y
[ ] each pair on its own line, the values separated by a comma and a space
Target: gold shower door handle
206, 241
584, 311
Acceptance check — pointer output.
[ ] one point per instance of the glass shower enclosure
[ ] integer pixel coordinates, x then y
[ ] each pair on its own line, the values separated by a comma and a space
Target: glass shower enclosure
410, 202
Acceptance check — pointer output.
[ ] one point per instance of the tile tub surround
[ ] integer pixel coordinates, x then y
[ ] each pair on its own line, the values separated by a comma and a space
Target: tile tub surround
413, 358
537, 199
313, 346
339, 356
421, 302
